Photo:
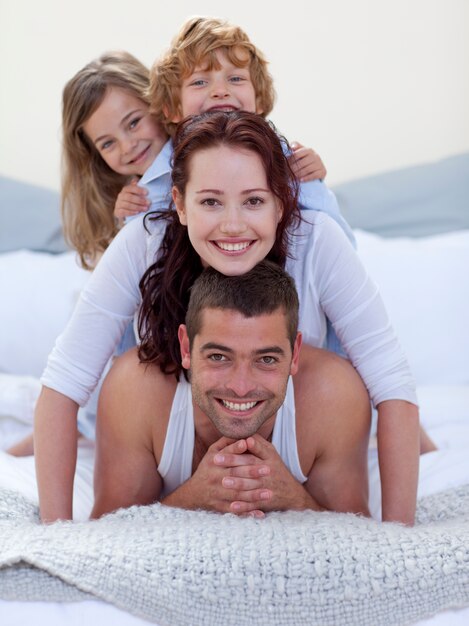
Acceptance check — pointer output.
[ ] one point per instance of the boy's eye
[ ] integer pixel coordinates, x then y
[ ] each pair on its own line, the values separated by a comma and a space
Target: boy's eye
199, 82
237, 79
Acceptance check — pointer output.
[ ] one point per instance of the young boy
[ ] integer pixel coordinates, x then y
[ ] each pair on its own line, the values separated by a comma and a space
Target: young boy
212, 65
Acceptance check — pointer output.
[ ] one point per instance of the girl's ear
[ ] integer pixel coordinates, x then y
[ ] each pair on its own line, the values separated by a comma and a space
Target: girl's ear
178, 200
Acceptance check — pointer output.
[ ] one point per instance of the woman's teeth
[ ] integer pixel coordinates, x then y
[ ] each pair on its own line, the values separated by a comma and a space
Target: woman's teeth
233, 247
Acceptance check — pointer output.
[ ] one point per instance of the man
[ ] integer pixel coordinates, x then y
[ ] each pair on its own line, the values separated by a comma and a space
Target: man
259, 428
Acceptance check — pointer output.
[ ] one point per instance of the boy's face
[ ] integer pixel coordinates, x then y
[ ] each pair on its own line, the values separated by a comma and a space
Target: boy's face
228, 88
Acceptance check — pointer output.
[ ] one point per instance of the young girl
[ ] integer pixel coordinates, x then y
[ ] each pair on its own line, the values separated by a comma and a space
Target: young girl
109, 139
329, 277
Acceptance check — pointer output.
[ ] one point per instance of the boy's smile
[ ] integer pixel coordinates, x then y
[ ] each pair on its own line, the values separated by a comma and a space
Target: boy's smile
225, 87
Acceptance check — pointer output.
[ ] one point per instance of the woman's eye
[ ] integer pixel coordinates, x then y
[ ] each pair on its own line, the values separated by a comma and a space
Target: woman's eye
255, 201
210, 202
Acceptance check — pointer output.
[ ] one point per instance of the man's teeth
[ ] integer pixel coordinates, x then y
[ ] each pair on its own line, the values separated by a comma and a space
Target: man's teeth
233, 247
235, 406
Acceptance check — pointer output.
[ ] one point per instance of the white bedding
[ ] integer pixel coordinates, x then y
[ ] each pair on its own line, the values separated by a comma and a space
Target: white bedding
418, 284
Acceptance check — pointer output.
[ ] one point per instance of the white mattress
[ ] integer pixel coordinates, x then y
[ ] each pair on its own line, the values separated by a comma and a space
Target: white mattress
445, 413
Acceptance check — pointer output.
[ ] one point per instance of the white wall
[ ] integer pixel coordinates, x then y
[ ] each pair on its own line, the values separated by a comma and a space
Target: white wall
371, 85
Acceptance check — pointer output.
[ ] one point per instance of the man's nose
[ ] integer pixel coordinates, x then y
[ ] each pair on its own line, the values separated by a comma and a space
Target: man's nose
240, 381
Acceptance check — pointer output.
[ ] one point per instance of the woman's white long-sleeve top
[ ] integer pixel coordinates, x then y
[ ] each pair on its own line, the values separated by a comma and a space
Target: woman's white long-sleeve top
330, 279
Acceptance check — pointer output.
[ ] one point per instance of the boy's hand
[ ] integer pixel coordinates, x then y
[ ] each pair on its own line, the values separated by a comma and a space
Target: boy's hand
131, 201
306, 164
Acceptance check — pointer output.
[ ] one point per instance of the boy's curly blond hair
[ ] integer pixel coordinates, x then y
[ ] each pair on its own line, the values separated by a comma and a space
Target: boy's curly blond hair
194, 45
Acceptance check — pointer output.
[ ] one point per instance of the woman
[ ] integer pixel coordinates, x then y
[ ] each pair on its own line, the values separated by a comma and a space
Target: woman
235, 203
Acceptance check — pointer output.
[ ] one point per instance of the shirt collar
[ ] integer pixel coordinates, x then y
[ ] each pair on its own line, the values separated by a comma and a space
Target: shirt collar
161, 165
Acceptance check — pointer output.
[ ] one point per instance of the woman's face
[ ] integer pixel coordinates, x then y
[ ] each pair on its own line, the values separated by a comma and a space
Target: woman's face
230, 212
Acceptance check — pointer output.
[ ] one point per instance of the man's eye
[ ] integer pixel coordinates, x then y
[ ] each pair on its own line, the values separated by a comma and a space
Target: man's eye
217, 357
268, 360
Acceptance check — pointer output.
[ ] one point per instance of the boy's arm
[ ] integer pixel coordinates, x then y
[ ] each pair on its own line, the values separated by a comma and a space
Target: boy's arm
316, 196
398, 453
306, 163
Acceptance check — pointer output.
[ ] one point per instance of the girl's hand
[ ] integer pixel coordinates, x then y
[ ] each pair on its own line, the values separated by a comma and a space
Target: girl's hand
131, 201
306, 164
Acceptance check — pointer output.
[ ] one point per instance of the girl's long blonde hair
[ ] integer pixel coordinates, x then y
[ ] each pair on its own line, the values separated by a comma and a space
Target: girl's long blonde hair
89, 186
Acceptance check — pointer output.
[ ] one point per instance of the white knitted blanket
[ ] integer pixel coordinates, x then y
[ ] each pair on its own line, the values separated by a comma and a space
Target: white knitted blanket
181, 568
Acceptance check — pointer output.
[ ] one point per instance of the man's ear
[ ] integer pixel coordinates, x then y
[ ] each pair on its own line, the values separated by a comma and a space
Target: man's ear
178, 200
184, 347
296, 353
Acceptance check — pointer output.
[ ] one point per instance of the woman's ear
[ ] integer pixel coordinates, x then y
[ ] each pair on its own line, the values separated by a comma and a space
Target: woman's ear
178, 200
279, 211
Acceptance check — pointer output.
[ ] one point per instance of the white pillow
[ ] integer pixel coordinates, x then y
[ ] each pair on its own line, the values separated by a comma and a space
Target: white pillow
38, 293
425, 286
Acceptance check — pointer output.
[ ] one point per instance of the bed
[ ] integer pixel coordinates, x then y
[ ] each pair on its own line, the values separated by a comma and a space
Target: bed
412, 230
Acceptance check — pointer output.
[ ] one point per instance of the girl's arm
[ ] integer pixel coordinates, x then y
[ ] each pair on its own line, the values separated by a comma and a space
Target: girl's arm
55, 446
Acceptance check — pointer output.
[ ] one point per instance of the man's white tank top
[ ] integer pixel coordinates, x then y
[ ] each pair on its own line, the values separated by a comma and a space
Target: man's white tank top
176, 460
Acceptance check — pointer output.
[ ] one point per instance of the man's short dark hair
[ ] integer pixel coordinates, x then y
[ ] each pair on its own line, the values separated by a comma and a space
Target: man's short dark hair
263, 290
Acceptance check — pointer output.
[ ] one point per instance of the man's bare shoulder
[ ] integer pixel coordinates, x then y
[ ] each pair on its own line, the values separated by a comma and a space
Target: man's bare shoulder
137, 389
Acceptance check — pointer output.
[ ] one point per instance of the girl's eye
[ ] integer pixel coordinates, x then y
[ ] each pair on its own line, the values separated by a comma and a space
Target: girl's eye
218, 358
134, 123
254, 201
106, 144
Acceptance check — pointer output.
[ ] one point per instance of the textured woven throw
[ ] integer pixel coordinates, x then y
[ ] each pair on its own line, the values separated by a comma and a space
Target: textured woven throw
193, 568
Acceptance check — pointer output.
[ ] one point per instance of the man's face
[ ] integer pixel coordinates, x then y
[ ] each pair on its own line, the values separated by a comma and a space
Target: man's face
239, 369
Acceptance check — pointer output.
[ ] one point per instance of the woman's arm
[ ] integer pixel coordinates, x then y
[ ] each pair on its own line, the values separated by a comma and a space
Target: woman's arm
55, 447
399, 450
107, 304
340, 286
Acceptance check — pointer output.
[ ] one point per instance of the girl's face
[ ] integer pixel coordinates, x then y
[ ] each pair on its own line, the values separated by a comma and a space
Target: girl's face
230, 212
123, 132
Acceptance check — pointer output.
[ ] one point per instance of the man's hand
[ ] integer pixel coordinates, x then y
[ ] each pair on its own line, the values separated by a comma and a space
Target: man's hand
131, 201
207, 488
266, 484
306, 163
